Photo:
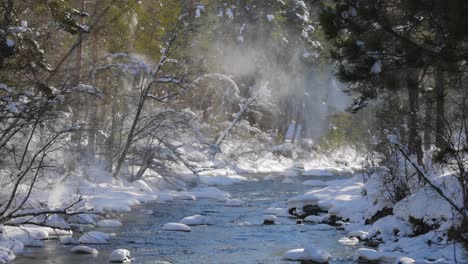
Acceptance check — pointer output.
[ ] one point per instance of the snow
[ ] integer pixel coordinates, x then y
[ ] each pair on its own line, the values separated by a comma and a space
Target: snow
84, 250
283, 212
229, 13
184, 196
143, 186
314, 219
120, 255
316, 255
288, 180
348, 241
109, 223
12, 108
176, 227
28, 236
342, 197
11, 244
234, 203
363, 235
309, 253
315, 183
221, 180
94, 237
295, 254
367, 254
195, 220
269, 218
376, 67
210, 193
68, 240
6, 255
404, 260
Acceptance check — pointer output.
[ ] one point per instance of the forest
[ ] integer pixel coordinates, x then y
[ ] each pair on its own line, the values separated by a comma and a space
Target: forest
227, 131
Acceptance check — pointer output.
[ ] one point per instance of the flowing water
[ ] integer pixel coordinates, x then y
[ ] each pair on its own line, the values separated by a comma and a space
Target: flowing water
237, 235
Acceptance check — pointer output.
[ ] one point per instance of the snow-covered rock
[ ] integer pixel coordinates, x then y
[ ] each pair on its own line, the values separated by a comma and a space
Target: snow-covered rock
13, 245
367, 254
283, 212
94, 237
295, 254
404, 260
84, 250
109, 223
210, 193
176, 227
314, 219
195, 220
362, 235
120, 256
309, 253
235, 202
6, 255
348, 241
68, 240
185, 196
28, 236
269, 219
316, 254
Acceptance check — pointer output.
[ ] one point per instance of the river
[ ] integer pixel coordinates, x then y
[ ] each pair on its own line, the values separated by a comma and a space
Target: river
237, 235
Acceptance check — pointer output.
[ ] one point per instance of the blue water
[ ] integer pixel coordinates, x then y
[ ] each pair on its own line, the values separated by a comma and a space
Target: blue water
237, 235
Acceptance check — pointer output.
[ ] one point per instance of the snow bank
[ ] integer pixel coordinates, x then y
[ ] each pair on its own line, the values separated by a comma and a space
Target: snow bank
28, 236
176, 227
120, 256
6, 255
342, 198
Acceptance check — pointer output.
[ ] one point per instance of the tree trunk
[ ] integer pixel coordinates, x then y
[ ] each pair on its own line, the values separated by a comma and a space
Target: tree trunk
297, 123
144, 165
440, 107
414, 140
93, 106
429, 104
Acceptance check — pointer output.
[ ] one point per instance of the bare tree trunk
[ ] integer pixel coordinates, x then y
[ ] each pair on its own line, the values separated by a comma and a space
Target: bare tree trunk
110, 142
414, 140
93, 106
429, 104
440, 107
144, 165
145, 88
297, 123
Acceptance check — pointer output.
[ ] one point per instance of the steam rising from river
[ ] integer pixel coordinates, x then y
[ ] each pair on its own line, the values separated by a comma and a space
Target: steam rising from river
255, 64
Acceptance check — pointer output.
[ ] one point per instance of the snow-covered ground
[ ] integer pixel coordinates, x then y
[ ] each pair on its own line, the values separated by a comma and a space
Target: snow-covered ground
352, 201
